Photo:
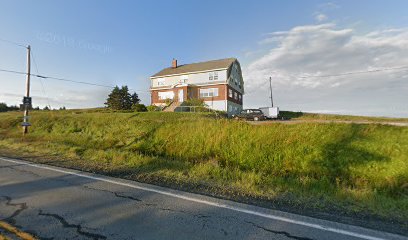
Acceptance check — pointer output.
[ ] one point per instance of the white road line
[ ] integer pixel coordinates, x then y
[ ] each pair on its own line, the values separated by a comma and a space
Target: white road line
215, 204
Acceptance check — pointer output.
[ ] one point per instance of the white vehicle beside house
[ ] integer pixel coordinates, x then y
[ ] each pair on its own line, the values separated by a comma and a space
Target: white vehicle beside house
270, 112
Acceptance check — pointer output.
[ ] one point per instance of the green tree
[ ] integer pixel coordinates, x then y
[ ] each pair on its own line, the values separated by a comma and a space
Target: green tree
3, 107
126, 98
135, 98
119, 99
114, 99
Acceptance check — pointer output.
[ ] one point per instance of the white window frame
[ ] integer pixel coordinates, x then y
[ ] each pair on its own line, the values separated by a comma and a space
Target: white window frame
166, 95
215, 76
161, 81
230, 93
211, 76
183, 79
208, 92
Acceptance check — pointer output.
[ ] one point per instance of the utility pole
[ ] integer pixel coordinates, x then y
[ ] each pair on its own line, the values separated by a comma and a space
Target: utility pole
27, 99
270, 86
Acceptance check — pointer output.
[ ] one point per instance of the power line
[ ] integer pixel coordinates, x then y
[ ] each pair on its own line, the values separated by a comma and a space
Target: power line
41, 82
68, 80
12, 42
80, 82
347, 73
358, 72
11, 71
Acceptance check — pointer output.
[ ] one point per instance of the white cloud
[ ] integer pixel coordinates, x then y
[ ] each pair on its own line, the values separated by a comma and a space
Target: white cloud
329, 6
325, 49
320, 17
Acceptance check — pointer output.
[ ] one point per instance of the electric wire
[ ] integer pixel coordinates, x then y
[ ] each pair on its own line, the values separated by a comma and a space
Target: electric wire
403, 68
69, 80
358, 72
40, 79
12, 42
144, 91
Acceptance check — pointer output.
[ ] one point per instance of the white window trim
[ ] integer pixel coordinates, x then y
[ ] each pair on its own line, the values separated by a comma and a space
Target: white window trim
183, 79
161, 81
166, 95
208, 92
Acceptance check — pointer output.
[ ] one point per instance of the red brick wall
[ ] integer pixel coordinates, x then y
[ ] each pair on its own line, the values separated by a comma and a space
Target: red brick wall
221, 92
194, 92
155, 94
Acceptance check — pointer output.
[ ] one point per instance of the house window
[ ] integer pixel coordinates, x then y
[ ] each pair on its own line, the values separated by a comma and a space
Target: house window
239, 97
215, 75
211, 76
166, 95
234, 95
230, 93
160, 81
208, 92
183, 79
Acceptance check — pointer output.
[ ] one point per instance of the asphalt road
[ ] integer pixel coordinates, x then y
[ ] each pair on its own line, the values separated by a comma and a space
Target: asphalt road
58, 203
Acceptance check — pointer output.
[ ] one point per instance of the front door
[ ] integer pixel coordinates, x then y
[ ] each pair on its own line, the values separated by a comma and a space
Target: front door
181, 95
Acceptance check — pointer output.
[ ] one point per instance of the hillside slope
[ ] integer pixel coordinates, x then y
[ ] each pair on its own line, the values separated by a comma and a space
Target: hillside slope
358, 170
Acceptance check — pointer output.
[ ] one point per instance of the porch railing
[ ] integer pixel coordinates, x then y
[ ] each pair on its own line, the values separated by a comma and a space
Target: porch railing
193, 109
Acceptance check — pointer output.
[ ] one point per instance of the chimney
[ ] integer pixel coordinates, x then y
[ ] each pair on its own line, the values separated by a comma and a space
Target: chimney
174, 63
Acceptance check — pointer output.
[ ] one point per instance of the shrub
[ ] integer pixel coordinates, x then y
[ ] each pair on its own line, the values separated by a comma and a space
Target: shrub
194, 102
139, 107
153, 108
168, 101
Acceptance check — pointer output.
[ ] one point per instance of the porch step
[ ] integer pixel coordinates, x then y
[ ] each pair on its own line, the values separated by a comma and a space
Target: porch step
171, 107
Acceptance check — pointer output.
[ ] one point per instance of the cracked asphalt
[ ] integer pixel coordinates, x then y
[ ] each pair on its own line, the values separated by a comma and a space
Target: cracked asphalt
56, 205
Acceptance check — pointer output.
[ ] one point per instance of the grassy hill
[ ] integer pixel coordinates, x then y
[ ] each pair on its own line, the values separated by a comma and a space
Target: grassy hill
336, 117
347, 169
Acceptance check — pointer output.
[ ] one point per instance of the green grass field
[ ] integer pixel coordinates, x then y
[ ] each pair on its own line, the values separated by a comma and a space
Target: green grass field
354, 168
335, 117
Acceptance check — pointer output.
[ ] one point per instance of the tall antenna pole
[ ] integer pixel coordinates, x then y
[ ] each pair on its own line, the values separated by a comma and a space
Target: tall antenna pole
27, 96
270, 86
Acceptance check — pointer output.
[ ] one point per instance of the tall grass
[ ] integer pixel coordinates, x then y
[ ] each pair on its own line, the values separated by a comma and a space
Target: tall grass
360, 167
336, 117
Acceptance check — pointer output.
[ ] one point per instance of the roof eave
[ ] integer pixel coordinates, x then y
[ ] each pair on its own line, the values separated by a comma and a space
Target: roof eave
184, 73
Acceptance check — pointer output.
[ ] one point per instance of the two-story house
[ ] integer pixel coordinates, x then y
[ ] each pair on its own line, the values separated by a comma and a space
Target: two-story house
219, 83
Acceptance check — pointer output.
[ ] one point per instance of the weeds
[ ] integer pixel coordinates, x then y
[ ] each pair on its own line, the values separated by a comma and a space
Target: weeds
360, 167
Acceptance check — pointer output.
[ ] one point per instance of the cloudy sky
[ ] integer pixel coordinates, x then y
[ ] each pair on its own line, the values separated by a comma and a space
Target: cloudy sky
348, 57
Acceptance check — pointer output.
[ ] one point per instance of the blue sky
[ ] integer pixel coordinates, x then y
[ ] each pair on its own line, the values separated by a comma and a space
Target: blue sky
124, 42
